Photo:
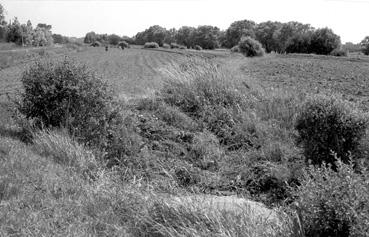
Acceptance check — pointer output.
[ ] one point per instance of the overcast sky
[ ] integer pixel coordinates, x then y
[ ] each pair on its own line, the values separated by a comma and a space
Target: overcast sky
347, 18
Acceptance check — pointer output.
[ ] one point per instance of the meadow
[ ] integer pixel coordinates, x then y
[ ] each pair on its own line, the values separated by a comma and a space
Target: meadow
207, 147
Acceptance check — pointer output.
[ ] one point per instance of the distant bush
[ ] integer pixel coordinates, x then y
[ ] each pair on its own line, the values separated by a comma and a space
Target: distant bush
334, 203
123, 44
250, 47
324, 41
365, 45
66, 94
198, 47
339, 53
95, 44
151, 45
166, 46
235, 49
329, 125
174, 46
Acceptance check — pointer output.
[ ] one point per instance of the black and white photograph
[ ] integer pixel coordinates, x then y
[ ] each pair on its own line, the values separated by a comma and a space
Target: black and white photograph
184, 118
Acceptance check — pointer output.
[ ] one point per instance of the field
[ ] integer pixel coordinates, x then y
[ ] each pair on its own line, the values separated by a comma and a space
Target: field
194, 173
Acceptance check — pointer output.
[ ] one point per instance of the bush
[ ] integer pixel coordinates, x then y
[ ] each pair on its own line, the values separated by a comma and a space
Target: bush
250, 47
329, 125
365, 45
334, 203
123, 44
66, 94
198, 47
151, 45
96, 44
166, 46
174, 46
235, 49
339, 53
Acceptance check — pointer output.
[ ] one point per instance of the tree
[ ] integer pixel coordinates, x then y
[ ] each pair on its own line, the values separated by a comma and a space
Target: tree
114, 39
266, 34
207, 37
14, 32
154, 33
324, 41
237, 30
2, 15
365, 45
185, 35
42, 35
288, 31
90, 38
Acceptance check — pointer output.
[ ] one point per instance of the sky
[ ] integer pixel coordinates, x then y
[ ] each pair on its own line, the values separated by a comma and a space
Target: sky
347, 18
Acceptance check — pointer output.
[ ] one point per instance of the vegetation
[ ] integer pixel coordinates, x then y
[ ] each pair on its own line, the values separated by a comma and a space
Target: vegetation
334, 202
250, 47
151, 45
66, 94
365, 45
329, 127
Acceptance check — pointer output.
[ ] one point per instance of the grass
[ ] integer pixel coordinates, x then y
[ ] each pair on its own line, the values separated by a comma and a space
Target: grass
181, 177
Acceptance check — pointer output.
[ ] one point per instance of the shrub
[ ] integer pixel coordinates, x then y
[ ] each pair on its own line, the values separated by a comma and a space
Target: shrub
96, 44
151, 45
198, 47
174, 46
365, 45
250, 47
329, 125
235, 49
334, 203
166, 46
123, 44
339, 53
66, 94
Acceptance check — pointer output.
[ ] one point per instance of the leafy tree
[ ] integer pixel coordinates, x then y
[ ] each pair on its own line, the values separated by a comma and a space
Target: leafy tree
207, 37
288, 31
170, 36
114, 39
14, 32
90, 38
185, 35
2, 16
324, 41
237, 30
154, 33
299, 43
365, 45
266, 34
42, 35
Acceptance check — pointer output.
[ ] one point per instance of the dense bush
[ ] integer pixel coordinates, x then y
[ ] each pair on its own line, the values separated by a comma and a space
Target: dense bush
329, 125
339, 53
365, 45
198, 47
123, 44
235, 49
334, 203
250, 47
324, 41
166, 46
152, 45
67, 94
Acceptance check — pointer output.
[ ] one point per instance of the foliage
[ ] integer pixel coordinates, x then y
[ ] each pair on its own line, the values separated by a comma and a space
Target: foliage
198, 47
339, 53
265, 33
237, 30
328, 126
114, 39
154, 33
365, 45
185, 35
123, 44
334, 203
60, 39
235, 49
324, 41
206, 36
66, 94
250, 47
151, 45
